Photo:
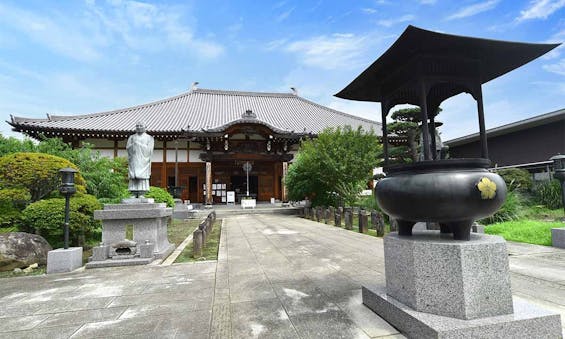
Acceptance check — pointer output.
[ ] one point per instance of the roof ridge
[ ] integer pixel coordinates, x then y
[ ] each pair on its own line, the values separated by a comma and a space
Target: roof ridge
340, 112
244, 93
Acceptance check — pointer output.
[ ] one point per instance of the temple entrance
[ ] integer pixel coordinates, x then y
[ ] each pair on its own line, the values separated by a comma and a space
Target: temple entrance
193, 189
228, 175
239, 185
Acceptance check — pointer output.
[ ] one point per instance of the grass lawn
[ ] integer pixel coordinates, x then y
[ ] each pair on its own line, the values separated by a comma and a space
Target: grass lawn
11, 274
178, 230
542, 213
210, 250
528, 231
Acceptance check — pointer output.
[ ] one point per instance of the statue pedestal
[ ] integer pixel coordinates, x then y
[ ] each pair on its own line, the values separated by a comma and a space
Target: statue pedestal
437, 287
149, 221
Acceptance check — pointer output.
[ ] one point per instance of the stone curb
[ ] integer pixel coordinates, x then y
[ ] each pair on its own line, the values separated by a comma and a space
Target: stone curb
171, 258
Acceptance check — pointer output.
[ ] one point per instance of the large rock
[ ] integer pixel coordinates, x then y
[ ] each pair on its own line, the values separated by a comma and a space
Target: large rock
19, 249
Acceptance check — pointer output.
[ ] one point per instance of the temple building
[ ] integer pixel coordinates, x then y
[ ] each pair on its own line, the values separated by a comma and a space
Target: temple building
204, 138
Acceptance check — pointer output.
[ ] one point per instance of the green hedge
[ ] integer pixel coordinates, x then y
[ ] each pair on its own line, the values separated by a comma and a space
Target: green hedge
516, 178
548, 194
160, 195
12, 202
36, 172
46, 218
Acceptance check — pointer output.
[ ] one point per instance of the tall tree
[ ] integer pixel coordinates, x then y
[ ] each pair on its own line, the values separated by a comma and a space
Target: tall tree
407, 126
334, 167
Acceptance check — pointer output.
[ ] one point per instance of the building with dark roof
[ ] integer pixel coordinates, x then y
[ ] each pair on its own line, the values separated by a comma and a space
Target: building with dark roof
526, 143
205, 136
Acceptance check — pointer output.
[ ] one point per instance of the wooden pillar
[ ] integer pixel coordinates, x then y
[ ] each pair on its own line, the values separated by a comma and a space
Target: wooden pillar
433, 136
482, 130
284, 173
164, 166
384, 112
276, 182
115, 149
208, 183
424, 117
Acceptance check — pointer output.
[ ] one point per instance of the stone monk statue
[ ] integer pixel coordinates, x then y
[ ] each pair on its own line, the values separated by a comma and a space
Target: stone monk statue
140, 150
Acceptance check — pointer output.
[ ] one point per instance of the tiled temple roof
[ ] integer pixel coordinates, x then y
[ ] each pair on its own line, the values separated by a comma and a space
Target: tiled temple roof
200, 111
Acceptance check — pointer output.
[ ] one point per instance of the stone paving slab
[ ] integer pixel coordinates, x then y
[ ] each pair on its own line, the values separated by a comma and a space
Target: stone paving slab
275, 277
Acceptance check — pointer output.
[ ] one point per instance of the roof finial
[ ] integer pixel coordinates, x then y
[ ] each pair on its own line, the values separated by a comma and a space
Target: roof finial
294, 90
194, 86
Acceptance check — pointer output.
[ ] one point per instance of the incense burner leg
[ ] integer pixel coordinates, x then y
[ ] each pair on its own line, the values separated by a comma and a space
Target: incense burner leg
405, 227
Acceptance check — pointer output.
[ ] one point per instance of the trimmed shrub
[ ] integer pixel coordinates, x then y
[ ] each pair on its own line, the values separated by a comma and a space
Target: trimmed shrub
46, 218
516, 178
12, 202
36, 172
160, 195
548, 194
510, 210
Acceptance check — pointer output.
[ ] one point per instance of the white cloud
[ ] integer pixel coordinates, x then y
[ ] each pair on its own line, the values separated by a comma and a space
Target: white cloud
369, 10
336, 51
150, 27
60, 36
541, 9
391, 22
284, 15
473, 9
557, 68
330, 52
275, 44
89, 35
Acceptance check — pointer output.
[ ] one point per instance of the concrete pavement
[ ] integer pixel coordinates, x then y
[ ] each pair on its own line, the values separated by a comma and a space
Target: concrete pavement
276, 277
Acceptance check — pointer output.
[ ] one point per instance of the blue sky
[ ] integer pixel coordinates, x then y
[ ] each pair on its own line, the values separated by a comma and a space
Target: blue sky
76, 57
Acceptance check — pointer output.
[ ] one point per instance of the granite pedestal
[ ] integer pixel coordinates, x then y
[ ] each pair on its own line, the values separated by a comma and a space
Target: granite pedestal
437, 287
149, 221
63, 260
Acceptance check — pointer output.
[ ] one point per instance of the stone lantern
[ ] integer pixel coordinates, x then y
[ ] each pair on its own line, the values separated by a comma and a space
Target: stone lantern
67, 188
65, 259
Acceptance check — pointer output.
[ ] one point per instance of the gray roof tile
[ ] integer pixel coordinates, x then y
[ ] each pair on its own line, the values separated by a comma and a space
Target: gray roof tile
205, 109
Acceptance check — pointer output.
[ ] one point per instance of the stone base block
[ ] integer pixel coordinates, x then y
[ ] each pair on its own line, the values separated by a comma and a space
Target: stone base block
64, 260
558, 237
119, 262
101, 252
146, 250
527, 321
138, 201
165, 253
431, 272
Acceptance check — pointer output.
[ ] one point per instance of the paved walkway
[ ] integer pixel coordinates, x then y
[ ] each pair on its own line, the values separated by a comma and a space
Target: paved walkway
276, 277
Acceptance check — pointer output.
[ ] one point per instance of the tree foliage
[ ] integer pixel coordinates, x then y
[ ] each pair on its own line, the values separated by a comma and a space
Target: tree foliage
12, 145
516, 178
334, 167
36, 172
406, 125
160, 195
46, 217
12, 202
105, 178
